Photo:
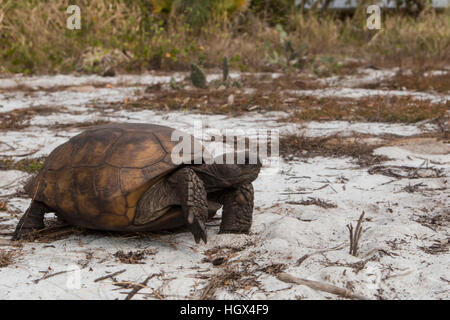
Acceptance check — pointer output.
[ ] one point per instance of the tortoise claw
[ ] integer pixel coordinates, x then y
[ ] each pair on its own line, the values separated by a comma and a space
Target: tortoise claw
197, 228
23, 233
17, 235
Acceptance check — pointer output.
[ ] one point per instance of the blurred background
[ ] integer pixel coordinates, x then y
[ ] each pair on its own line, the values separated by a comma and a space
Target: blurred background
321, 36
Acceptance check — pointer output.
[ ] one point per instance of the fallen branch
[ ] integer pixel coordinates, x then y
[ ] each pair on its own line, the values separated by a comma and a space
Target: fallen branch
138, 287
320, 286
52, 275
110, 275
20, 155
306, 256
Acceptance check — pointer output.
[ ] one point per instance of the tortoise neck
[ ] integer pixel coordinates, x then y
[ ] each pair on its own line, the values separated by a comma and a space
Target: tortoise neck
211, 176
222, 176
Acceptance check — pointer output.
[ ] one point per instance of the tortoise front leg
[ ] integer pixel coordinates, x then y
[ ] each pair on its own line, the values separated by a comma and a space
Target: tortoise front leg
193, 201
237, 209
33, 219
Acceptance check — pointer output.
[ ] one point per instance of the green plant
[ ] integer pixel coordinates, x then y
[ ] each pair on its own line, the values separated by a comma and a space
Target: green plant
198, 77
225, 69
274, 11
197, 13
169, 35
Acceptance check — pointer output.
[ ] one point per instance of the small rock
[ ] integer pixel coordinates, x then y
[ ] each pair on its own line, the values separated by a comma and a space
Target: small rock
218, 261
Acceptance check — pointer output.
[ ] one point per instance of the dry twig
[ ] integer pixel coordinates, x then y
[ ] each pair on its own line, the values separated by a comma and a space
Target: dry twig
110, 275
138, 286
355, 235
306, 256
320, 286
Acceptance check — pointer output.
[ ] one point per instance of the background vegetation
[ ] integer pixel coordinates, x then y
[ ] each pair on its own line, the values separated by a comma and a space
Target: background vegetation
257, 35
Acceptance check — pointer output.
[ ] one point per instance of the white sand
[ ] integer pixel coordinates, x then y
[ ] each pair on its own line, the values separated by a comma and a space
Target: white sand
391, 263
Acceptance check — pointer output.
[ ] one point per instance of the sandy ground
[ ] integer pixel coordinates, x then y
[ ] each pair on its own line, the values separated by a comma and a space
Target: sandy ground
302, 209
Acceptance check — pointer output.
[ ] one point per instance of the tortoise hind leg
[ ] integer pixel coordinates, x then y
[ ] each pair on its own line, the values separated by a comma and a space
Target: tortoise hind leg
193, 199
237, 208
33, 219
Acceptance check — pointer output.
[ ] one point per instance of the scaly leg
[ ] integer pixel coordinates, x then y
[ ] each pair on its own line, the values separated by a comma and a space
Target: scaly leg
237, 209
33, 219
193, 201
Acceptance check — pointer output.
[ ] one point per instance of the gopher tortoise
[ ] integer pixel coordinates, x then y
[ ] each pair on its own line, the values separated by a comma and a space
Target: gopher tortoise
122, 177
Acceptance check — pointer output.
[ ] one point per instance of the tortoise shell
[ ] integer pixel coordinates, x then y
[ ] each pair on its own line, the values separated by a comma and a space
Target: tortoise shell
96, 179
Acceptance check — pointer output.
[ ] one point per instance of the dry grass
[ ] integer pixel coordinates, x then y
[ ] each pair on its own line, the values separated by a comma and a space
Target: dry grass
28, 165
332, 146
406, 172
265, 94
36, 38
7, 257
421, 82
3, 206
208, 101
12, 122
239, 275
125, 35
419, 43
284, 81
372, 109
438, 247
135, 257
314, 201
19, 118
435, 221
79, 125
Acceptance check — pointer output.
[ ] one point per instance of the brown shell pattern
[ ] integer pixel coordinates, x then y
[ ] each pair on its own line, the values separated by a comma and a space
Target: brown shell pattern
97, 177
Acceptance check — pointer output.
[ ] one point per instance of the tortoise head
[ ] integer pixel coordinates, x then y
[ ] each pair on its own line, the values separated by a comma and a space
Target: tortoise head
227, 171
244, 169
